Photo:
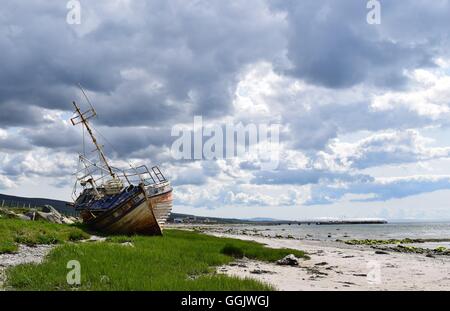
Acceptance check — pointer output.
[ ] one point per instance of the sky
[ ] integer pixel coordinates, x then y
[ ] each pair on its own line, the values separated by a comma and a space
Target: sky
363, 108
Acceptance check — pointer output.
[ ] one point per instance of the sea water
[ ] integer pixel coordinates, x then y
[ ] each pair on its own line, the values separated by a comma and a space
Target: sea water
413, 230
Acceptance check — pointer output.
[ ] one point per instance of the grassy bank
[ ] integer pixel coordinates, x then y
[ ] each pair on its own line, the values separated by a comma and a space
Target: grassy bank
180, 260
14, 232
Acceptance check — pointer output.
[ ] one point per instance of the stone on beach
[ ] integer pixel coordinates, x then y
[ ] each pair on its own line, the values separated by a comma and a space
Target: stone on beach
259, 271
381, 253
289, 260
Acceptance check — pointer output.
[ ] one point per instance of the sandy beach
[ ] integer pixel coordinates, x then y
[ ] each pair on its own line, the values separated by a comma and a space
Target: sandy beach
342, 267
337, 266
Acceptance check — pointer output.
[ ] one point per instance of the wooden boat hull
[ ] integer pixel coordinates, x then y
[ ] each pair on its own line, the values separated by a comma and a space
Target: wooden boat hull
144, 213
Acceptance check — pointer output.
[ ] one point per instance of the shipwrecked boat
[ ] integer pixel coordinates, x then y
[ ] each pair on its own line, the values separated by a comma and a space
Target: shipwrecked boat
112, 200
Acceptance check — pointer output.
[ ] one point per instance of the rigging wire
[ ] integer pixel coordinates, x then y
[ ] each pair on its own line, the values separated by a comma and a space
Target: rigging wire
84, 143
85, 96
114, 148
99, 133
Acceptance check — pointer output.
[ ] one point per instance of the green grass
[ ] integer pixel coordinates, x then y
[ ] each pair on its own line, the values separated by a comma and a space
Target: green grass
14, 232
179, 260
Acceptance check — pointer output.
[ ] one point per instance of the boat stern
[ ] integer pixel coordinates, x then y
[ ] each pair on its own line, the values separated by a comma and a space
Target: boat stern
161, 201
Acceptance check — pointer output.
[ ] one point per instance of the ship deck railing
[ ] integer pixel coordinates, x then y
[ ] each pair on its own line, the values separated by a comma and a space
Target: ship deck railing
133, 176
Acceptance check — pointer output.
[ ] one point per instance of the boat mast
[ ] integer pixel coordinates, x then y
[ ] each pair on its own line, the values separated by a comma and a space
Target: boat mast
83, 118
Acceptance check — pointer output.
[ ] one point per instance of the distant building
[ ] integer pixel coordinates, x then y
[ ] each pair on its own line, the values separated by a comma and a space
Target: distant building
190, 219
209, 221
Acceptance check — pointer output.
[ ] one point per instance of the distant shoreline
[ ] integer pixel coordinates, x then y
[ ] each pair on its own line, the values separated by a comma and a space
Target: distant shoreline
287, 222
177, 218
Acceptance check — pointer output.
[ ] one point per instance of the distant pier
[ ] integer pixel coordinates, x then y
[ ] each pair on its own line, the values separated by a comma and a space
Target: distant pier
326, 222
347, 222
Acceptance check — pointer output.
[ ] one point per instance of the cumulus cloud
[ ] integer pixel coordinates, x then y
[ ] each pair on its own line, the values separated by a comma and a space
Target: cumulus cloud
305, 177
393, 148
382, 189
6, 183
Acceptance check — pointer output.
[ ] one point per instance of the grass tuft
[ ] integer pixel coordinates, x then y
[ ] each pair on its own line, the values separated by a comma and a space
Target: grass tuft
253, 250
31, 233
233, 251
8, 247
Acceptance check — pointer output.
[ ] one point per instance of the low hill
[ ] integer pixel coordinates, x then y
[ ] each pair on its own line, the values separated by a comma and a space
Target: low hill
61, 206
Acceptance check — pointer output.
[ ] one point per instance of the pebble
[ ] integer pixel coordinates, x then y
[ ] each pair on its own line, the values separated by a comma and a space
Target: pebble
259, 271
381, 253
